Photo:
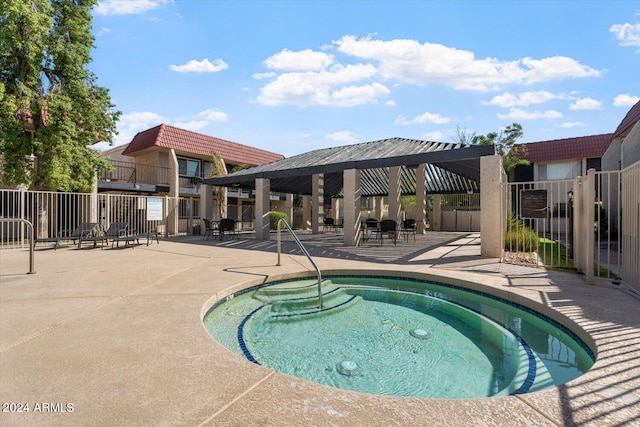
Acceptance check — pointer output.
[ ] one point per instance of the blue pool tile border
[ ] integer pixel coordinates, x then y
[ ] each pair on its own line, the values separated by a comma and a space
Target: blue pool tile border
531, 373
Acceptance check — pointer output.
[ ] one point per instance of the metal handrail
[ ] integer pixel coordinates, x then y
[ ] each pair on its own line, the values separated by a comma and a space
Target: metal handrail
31, 239
303, 249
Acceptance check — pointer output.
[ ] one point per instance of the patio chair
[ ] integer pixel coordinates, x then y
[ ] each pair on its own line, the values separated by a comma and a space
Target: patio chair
113, 232
388, 227
328, 224
227, 226
126, 235
209, 228
79, 234
369, 226
408, 227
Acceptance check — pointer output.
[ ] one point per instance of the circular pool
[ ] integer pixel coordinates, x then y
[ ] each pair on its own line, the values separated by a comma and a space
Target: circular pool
398, 336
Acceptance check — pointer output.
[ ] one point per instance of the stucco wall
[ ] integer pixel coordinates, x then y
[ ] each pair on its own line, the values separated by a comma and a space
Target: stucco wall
611, 157
631, 147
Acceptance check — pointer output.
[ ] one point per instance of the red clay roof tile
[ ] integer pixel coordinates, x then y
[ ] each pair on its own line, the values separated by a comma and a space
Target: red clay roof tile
568, 148
194, 143
629, 120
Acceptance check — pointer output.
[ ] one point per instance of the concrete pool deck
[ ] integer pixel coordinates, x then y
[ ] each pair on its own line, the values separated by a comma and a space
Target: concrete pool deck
115, 337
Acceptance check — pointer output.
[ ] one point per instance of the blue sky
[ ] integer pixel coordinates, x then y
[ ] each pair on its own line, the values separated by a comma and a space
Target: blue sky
293, 76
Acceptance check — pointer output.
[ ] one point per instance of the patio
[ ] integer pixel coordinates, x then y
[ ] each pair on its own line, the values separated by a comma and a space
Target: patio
118, 334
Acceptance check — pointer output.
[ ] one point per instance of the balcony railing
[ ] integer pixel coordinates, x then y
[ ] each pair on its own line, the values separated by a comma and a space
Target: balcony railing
135, 173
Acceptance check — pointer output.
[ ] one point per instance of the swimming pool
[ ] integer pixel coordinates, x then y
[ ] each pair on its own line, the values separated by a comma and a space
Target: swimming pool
399, 336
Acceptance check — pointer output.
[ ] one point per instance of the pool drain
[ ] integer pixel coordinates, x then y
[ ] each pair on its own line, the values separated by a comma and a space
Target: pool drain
348, 368
421, 334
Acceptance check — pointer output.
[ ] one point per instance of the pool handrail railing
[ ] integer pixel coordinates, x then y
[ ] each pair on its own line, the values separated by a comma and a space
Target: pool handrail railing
32, 243
303, 249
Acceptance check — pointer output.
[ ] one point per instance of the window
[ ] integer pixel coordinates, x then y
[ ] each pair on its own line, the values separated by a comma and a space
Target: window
188, 167
564, 170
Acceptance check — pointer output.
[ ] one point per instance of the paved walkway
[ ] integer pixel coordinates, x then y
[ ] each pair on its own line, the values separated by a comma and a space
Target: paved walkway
115, 337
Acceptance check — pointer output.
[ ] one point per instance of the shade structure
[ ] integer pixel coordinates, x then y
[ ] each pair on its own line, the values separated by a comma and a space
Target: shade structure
451, 168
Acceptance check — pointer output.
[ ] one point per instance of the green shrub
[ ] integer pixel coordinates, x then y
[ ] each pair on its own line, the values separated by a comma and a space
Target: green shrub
274, 217
521, 239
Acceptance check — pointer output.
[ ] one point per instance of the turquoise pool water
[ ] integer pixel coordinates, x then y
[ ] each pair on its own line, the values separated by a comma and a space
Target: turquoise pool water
398, 337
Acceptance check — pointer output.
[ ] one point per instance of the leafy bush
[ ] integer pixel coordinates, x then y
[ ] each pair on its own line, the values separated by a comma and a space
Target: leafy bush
519, 237
274, 217
522, 240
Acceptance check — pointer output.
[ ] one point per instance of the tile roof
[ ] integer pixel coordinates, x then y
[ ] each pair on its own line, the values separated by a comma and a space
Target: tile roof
568, 148
629, 120
188, 142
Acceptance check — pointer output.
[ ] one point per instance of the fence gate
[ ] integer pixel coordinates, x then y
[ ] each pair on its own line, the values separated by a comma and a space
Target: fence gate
577, 225
539, 228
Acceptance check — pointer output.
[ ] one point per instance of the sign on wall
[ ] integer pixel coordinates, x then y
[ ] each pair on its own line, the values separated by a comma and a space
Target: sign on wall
533, 204
154, 209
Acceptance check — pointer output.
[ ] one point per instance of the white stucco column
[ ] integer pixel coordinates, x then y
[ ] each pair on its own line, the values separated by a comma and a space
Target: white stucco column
492, 216
436, 217
174, 193
351, 188
306, 212
378, 204
394, 194
263, 206
421, 199
206, 204
317, 202
288, 208
93, 209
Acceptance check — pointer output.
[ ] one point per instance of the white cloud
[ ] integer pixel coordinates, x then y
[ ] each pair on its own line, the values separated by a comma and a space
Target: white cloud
130, 124
586, 104
433, 136
203, 66
627, 34
523, 99
423, 118
192, 124
335, 87
391, 103
625, 100
213, 115
103, 31
127, 7
343, 136
309, 77
431, 63
260, 76
518, 114
568, 125
202, 119
304, 60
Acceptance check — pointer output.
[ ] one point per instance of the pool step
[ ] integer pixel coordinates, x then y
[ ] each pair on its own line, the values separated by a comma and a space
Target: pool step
295, 309
301, 287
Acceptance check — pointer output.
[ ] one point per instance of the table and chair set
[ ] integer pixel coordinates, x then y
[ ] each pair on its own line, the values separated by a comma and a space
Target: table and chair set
219, 228
371, 228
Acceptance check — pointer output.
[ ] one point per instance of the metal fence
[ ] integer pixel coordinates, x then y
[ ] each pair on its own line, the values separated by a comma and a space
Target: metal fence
53, 213
539, 229
630, 226
134, 173
589, 224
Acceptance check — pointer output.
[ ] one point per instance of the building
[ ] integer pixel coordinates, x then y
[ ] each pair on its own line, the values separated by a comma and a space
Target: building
169, 161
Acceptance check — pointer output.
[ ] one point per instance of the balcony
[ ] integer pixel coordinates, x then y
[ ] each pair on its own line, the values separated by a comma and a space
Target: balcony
125, 176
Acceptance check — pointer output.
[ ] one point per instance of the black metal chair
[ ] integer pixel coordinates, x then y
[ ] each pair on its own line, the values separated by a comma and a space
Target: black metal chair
408, 227
209, 229
227, 226
369, 226
328, 224
388, 227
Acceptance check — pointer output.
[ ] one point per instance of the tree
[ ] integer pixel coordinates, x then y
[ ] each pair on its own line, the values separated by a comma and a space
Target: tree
51, 109
504, 141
